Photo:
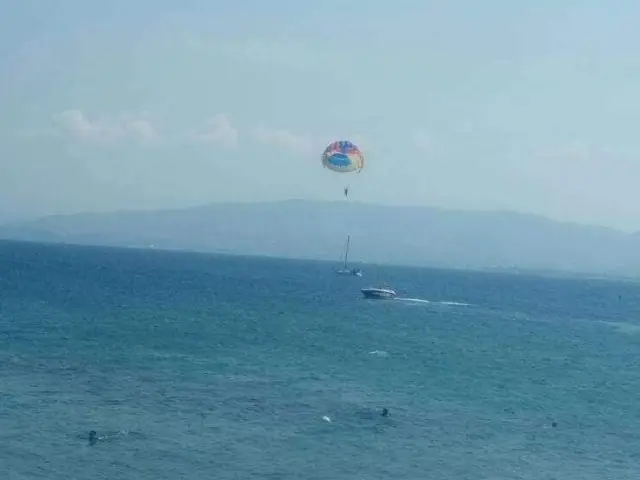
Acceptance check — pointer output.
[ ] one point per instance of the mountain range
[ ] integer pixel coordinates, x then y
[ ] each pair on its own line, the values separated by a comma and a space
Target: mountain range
403, 235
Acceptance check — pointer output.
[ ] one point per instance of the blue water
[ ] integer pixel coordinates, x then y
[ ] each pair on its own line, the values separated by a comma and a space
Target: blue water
199, 367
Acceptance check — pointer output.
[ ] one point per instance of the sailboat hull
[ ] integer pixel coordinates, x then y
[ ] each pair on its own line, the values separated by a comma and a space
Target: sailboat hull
349, 272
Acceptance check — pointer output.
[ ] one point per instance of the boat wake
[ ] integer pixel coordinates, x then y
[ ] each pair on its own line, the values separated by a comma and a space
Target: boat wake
422, 300
379, 353
414, 300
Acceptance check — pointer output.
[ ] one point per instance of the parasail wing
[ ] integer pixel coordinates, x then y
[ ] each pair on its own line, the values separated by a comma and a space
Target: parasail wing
343, 157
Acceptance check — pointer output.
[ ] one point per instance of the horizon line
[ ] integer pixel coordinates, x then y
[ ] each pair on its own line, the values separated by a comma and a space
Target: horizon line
124, 211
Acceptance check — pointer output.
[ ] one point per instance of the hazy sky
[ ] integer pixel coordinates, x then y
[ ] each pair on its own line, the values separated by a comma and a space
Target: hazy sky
530, 106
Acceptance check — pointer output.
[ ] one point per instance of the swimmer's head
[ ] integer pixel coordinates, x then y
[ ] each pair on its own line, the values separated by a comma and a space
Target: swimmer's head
93, 437
385, 412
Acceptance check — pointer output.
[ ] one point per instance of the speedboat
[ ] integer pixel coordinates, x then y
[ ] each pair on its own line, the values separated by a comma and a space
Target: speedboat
379, 293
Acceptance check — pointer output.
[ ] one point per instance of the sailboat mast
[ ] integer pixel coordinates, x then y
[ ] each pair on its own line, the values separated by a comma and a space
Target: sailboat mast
346, 252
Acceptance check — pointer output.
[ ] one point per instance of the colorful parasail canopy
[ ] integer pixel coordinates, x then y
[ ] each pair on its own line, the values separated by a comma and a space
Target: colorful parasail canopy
343, 157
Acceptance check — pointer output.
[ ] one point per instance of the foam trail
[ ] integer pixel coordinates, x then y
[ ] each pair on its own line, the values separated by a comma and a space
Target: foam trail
379, 353
624, 327
416, 300
422, 300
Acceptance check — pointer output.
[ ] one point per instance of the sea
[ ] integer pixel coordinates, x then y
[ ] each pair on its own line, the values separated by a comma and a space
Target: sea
195, 366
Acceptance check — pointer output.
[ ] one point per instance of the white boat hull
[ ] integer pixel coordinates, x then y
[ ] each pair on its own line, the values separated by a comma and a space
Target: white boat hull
379, 293
349, 272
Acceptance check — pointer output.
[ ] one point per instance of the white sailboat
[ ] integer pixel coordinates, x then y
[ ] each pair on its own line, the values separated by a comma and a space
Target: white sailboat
345, 270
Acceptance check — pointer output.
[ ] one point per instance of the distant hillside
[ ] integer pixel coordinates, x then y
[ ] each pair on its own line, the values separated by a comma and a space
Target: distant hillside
380, 234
